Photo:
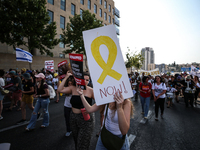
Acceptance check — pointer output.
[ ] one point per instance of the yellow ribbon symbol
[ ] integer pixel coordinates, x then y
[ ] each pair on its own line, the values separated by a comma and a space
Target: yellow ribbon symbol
107, 68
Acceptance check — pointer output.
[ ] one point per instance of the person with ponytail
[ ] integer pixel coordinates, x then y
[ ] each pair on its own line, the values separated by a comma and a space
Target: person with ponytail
42, 93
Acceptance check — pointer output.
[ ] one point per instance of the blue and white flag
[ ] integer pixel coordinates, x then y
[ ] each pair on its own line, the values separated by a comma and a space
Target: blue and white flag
22, 55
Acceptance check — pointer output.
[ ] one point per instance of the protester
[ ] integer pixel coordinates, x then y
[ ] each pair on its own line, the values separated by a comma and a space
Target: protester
172, 89
67, 105
138, 80
145, 94
197, 86
27, 99
179, 86
2, 83
42, 93
159, 90
16, 89
117, 118
49, 77
82, 130
188, 93
55, 82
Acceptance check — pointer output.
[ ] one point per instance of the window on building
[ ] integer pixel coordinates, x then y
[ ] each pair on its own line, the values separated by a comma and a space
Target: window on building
113, 21
51, 16
109, 8
82, 2
61, 44
62, 4
89, 4
109, 19
100, 2
105, 16
81, 12
95, 8
73, 9
113, 11
100, 12
62, 22
105, 4
51, 2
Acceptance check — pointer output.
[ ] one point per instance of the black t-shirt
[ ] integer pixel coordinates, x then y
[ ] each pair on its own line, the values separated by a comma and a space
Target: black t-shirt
18, 80
172, 84
27, 87
42, 91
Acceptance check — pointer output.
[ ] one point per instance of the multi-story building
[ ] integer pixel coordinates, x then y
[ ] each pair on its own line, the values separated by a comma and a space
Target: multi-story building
60, 11
149, 57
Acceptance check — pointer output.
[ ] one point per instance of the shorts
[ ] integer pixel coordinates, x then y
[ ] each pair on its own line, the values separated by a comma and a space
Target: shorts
177, 93
28, 99
17, 96
1, 96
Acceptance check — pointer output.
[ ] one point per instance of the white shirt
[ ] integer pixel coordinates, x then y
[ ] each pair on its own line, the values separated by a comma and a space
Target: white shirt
55, 82
48, 78
67, 101
159, 89
111, 123
2, 82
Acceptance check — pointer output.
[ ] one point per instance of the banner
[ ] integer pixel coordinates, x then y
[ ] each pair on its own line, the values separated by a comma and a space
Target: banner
76, 62
195, 71
22, 55
49, 65
154, 72
106, 64
63, 67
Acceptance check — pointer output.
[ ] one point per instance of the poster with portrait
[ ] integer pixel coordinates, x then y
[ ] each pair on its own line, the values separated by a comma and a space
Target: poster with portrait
106, 64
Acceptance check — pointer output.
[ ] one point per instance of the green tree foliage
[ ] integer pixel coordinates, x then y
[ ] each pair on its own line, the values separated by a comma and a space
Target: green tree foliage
72, 36
134, 60
26, 22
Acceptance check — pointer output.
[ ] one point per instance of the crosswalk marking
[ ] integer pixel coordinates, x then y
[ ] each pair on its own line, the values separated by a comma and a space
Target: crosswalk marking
18, 125
131, 138
143, 121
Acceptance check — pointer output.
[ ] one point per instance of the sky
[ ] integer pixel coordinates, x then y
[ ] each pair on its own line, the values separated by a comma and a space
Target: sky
170, 27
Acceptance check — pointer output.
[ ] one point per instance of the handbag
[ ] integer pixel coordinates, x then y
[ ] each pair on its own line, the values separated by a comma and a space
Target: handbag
109, 140
3, 91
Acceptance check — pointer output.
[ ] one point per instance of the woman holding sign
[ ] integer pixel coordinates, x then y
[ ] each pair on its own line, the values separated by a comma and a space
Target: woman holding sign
116, 122
81, 123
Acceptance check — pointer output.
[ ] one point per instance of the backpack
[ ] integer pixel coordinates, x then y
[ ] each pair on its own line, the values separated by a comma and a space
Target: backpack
52, 92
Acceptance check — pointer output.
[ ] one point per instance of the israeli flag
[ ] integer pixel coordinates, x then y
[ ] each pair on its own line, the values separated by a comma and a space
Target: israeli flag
22, 55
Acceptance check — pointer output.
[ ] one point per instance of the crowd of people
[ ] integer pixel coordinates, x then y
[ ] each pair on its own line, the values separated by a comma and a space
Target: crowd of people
27, 85
164, 88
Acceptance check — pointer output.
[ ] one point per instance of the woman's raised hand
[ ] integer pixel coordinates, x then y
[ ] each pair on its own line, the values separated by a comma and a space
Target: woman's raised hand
118, 97
68, 74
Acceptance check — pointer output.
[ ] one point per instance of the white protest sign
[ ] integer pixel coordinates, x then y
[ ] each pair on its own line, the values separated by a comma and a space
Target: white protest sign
49, 65
154, 72
195, 71
106, 64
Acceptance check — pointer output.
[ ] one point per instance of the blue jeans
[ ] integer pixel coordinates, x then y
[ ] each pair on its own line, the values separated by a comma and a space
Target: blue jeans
145, 101
44, 104
100, 145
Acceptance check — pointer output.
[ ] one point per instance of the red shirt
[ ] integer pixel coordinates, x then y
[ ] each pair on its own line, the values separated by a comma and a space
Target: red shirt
145, 88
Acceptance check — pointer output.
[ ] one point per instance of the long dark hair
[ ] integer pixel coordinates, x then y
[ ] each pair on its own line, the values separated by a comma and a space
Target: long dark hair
161, 81
144, 79
41, 86
71, 78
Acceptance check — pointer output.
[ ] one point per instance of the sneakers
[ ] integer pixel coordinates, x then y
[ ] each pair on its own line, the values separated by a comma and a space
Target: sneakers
145, 118
156, 119
43, 126
27, 129
68, 133
1, 118
21, 121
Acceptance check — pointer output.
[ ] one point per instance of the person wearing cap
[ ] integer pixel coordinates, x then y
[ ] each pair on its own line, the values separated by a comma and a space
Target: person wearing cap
42, 93
27, 98
49, 77
188, 94
16, 89
55, 85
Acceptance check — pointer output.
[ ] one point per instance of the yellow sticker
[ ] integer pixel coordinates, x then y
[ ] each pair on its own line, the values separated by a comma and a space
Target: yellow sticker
107, 68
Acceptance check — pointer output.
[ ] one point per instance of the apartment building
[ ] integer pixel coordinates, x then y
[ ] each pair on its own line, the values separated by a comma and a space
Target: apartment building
148, 54
60, 11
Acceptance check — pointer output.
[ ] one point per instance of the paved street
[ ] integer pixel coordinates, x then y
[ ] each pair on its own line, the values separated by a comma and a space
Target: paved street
179, 130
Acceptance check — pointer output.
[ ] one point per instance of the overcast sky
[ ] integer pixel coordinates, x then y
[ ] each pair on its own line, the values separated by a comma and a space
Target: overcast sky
170, 27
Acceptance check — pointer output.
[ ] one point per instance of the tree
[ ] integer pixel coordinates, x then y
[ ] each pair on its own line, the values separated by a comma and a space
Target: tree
134, 60
26, 22
72, 36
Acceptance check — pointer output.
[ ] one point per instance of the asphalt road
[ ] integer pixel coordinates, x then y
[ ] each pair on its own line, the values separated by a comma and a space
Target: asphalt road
179, 130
